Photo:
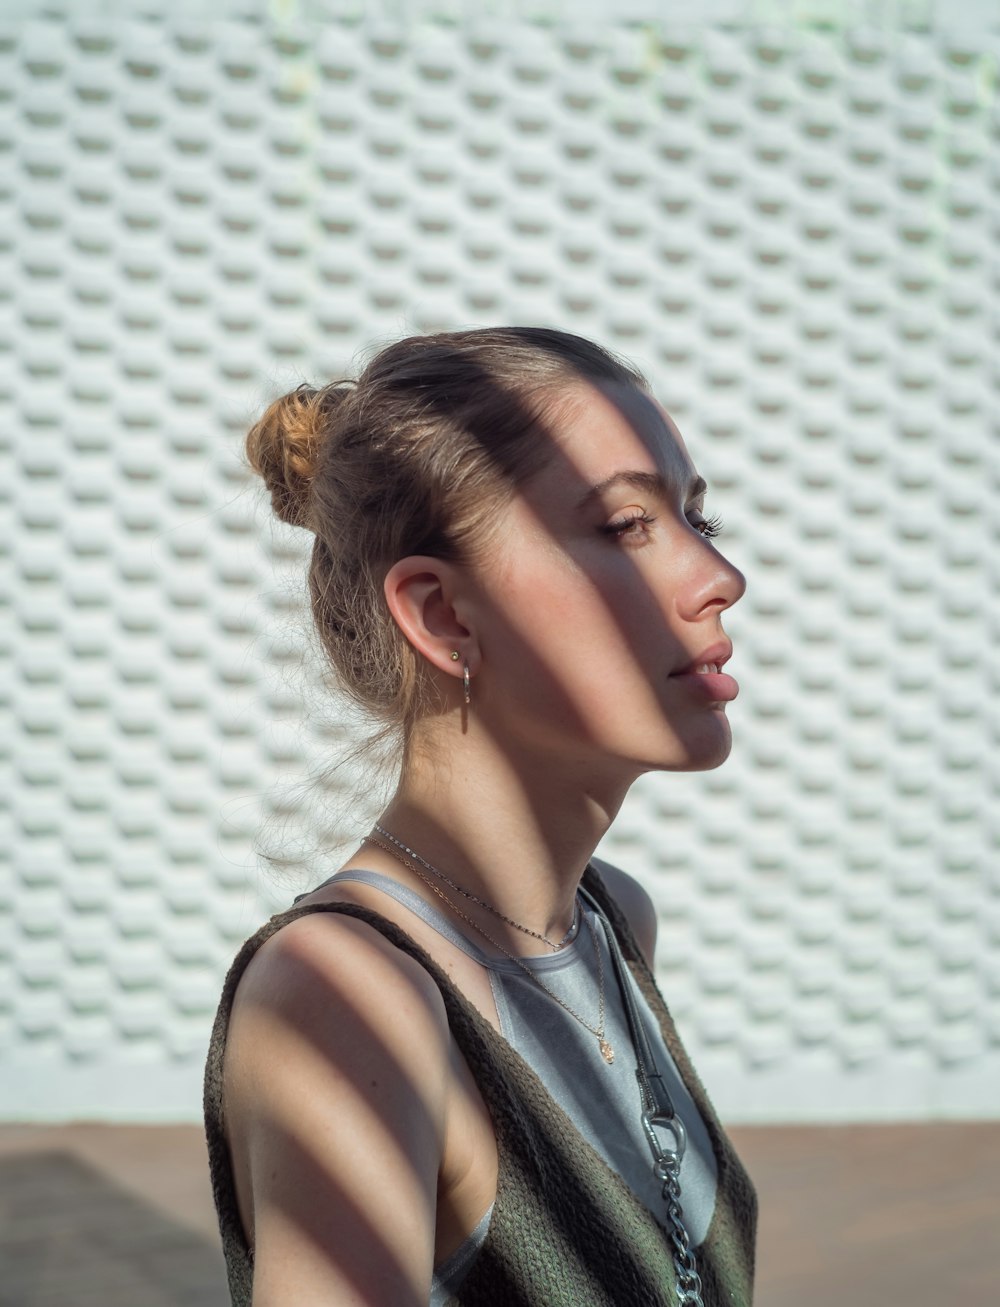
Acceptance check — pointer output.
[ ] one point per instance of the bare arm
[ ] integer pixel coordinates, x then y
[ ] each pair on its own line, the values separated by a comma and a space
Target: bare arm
335, 1083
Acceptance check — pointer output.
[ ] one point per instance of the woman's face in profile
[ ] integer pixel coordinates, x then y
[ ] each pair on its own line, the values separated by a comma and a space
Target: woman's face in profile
601, 595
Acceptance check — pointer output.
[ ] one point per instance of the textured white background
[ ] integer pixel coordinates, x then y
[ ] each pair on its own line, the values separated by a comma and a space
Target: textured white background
794, 229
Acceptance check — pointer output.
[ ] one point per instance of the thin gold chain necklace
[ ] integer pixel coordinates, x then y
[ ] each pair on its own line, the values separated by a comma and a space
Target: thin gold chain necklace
467, 893
607, 1052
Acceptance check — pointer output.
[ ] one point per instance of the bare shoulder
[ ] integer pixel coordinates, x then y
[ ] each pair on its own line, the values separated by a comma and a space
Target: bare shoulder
332, 963
336, 1069
635, 903
327, 994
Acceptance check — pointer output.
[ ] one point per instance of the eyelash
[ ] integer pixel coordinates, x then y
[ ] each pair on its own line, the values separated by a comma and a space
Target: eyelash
623, 525
709, 526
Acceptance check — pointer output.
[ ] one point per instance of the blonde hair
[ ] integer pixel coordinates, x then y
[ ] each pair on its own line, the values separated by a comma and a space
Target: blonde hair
412, 457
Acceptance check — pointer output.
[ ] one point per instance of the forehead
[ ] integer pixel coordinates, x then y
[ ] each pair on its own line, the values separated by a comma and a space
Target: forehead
601, 429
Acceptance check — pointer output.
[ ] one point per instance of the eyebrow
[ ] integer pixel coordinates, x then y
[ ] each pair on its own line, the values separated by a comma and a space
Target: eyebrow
653, 483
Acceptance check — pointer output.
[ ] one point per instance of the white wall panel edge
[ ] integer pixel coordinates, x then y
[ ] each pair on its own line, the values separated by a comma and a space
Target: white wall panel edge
113, 1090
130, 1094
877, 1094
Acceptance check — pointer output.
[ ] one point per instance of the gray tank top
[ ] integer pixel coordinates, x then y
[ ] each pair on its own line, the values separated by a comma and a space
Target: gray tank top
602, 1100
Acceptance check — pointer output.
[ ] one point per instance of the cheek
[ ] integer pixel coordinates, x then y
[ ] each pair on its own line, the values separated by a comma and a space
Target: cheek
586, 636
550, 599
622, 614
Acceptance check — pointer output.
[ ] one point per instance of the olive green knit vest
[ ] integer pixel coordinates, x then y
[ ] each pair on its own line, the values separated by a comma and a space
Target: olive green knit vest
565, 1231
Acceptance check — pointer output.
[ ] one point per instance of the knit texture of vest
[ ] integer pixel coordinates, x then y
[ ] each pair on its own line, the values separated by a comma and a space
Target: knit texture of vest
566, 1231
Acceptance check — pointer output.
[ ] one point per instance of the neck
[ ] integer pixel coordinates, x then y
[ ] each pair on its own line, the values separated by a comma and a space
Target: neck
511, 830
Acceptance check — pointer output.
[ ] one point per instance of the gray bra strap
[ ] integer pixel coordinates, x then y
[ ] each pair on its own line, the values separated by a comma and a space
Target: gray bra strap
404, 895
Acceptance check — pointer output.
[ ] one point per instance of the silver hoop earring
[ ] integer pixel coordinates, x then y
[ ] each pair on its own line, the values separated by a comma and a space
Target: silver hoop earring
465, 682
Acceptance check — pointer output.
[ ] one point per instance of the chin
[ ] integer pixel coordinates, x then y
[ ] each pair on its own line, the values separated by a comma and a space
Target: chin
704, 754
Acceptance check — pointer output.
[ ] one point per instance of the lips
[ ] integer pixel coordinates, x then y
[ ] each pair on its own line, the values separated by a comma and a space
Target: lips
703, 675
708, 661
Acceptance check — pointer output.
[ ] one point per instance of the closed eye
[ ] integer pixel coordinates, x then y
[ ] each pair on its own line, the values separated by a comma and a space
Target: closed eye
632, 524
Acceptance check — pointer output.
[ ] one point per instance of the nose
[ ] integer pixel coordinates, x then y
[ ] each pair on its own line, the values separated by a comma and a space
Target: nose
715, 583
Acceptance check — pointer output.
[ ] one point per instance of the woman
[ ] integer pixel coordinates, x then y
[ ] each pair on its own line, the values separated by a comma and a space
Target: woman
446, 1074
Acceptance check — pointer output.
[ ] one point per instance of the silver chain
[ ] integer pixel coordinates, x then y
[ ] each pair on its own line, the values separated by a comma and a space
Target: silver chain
467, 893
688, 1279
667, 1168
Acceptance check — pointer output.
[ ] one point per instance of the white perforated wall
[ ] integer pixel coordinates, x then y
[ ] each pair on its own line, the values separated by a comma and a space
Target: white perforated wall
793, 229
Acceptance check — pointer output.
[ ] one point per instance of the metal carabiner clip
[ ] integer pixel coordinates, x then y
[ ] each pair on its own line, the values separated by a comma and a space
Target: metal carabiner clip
672, 1156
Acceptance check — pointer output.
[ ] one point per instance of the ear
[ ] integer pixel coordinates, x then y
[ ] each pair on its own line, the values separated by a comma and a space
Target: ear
422, 593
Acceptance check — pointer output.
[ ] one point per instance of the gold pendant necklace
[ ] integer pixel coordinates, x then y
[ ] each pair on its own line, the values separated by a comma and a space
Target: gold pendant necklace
607, 1052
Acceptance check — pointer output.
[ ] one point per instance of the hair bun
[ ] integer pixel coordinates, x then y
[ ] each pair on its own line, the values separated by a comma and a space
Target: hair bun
282, 447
